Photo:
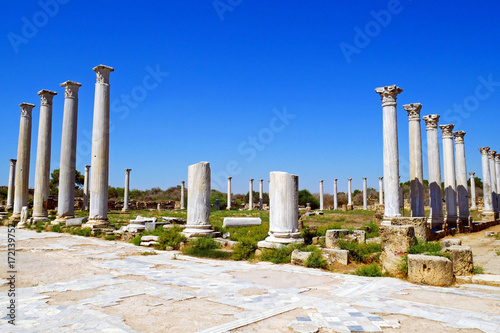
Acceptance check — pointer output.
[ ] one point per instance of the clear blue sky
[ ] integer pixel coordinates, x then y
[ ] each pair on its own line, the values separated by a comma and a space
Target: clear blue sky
232, 64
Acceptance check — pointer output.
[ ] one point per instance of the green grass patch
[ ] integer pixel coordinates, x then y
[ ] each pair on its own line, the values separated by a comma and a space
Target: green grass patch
428, 248
110, 237
361, 252
279, 255
478, 270
86, 232
170, 237
374, 230
206, 247
147, 253
245, 249
56, 228
369, 270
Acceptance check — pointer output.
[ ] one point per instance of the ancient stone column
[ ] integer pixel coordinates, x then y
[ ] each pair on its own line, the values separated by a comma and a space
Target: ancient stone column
42, 171
284, 212
98, 213
461, 174
365, 195
66, 198
198, 211
381, 190
436, 217
493, 181
450, 189
335, 199
497, 174
488, 213
183, 185
126, 190
472, 191
391, 151
23, 163
86, 188
416, 164
229, 193
321, 195
349, 192
250, 194
12, 183
261, 193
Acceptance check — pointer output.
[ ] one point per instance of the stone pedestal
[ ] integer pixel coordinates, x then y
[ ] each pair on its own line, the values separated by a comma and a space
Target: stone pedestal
380, 190
12, 184
335, 198
450, 189
250, 194
126, 190
23, 163
349, 192
98, 213
365, 195
86, 191
198, 210
488, 214
284, 212
461, 174
473, 204
391, 151
321, 197
183, 195
229, 193
493, 181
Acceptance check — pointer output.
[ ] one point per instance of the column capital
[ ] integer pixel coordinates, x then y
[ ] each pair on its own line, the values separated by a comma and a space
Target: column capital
13, 161
431, 120
46, 97
472, 174
492, 153
484, 150
497, 158
87, 167
321, 181
380, 178
388, 94
413, 110
251, 179
229, 178
102, 73
364, 178
459, 136
26, 109
349, 179
447, 129
71, 89
183, 182
335, 179
128, 170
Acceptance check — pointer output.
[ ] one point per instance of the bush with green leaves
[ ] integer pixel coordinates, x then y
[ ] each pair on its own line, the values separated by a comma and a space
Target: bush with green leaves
403, 266
315, 260
136, 240
361, 252
372, 269
306, 197
56, 228
244, 249
110, 237
428, 248
86, 232
171, 237
279, 255
206, 247
374, 230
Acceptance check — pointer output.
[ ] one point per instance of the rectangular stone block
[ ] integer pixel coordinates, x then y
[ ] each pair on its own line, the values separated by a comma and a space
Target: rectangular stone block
332, 237
431, 270
241, 221
420, 225
336, 255
462, 259
76, 222
450, 242
396, 241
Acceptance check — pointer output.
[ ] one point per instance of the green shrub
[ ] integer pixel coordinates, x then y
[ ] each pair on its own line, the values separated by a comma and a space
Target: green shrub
81, 231
360, 252
316, 260
403, 265
206, 247
369, 270
244, 249
110, 237
478, 270
306, 197
308, 234
429, 248
136, 240
279, 255
40, 226
374, 230
97, 233
170, 237
56, 228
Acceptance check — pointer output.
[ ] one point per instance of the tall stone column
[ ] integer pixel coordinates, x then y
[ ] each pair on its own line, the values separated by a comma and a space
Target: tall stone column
98, 214
126, 190
250, 194
462, 188
436, 217
183, 186
229, 193
23, 163
12, 184
42, 171
198, 211
450, 189
365, 195
493, 181
380, 190
488, 213
86, 191
416, 164
497, 174
261, 193
335, 198
391, 151
473, 205
321, 195
349, 192
284, 212
66, 198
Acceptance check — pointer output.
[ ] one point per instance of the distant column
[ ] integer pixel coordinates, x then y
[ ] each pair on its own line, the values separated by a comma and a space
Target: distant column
461, 170
250, 194
183, 195
450, 189
416, 164
23, 163
497, 174
488, 213
335, 198
493, 180
391, 151
229, 193
99, 174
86, 191
434, 164
472, 191
321, 195
198, 212
261, 193
381, 190
12, 183
349, 192
126, 190
365, 195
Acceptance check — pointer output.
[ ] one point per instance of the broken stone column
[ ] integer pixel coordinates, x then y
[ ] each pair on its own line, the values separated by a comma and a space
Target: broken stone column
462, 188
493, 181
396, 241
261, 193
473, 205
183, 186
86, 188
284, 210
335, 199
23, 163
416, 164
381, 190
198, 210
126, 190
433, 159
349, 192
391, 151
66, 197
98, 213
321, 195
12, 183
250, 194
42, 171
488, 214
450, 189
229, 193
365, 198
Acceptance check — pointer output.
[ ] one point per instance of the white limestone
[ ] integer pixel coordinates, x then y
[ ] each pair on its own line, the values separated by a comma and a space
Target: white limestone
126, 190
23, 163
335, 198
250, 194
241, 221
229, 193
365, 198
381, 190
284, 210
98, 213
497, 174
86, 191
461, 174
493, 181
183, 195
473, 205
349, 191
389, 95
488, 212
450, 189
261, 191
321, 198
198, 211
12, 184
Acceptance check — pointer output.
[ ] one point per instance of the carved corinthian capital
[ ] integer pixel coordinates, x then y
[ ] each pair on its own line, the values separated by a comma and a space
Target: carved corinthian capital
102, 73
413, 110
26, 109
71, 89
459, 136
447, 129
484, 150
389, 94
46, 97
431, 120
491, 154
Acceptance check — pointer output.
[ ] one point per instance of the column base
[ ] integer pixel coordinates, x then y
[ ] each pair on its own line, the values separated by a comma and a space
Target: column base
125, 209
436, 223
61, 219
473, 208
488, 215
451, 221
40, 218
16, 217
387, 220
279, 239
204, 230
96, 223
9, 208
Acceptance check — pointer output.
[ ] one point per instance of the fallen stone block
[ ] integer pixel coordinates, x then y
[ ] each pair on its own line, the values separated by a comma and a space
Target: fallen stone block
332, 237
136, 227
419, 224
142, 220
430, 270
149, 244
173, 220
241, 221
396, 241
358, 236
336, 255
489, 233
76, 222
462, 259
317, 240
450, 242
300, 257
149, 238
226, 242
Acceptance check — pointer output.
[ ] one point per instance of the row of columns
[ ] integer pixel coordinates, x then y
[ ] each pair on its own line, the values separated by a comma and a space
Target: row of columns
250, 193
491, 182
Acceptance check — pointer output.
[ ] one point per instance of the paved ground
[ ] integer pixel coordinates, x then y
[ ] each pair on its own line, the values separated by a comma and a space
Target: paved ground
69, 283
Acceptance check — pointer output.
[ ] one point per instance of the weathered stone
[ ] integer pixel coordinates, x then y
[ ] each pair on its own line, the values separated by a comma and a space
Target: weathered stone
300, 257
431, 270
149, 238
317, 240
358, 236
136, 227
198, 212
76, 222
332, 237
241, 221
173, 220
396, 241
450, 242
24, 216
149, 244
226, 242
462, 259
419, 224
489, 233
336, 255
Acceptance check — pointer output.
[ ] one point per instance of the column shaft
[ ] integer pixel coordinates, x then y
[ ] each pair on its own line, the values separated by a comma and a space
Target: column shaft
349, 192
229, 193
450, 189
461, 170
198, 210
126, 190
12, 184
321, 197
488, 212
365, 195
86, 185
261, 193
183, 185
381, 190
250, 194
335, 198
493, 180
472, 191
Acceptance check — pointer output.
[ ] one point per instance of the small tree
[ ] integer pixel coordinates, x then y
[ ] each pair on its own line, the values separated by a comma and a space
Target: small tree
54, 181
306, 197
